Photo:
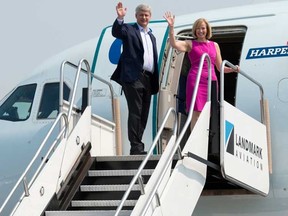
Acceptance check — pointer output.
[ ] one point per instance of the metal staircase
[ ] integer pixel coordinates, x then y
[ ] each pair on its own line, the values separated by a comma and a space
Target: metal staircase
104, 185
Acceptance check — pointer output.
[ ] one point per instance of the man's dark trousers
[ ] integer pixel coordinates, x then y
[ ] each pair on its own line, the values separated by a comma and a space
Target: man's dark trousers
138, 97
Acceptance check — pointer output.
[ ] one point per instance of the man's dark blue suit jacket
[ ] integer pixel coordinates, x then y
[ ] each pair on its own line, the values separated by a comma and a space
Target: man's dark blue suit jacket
130, 65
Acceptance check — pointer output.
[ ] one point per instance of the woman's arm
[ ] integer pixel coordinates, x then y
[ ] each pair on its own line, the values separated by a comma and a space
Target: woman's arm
219, 61
183, 46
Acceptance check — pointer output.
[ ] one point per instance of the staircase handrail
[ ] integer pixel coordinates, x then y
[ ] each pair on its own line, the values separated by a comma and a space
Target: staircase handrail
225, 62
149, 153
79, 69
112, 92
23, 176
114, 99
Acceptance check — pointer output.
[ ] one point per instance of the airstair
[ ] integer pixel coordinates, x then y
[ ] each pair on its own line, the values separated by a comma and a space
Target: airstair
103, 187
80, 176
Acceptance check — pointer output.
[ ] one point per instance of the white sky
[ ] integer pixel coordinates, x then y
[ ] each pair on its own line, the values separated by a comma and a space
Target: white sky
34, 30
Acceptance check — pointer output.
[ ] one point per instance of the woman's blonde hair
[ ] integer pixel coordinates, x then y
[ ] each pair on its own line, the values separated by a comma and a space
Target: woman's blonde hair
196, 25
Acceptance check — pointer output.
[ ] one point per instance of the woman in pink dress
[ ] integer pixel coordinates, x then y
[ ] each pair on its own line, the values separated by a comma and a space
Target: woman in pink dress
202, 32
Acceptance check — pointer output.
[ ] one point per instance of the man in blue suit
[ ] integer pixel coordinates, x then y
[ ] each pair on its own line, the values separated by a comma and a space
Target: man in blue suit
137, 70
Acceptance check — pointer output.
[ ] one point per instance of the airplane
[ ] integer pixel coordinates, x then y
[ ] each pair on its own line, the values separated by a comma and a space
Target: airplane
60, 124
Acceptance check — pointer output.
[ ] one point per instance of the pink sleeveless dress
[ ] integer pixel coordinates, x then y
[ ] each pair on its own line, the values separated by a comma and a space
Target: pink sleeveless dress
198, 49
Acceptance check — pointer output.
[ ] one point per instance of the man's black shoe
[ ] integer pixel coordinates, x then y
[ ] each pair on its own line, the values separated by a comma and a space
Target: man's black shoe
138, 153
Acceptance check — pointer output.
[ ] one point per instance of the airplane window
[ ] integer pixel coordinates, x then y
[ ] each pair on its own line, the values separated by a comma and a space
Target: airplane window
49, 105
17, 107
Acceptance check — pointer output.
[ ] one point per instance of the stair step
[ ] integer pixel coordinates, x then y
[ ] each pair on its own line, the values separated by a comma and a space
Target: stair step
97, 188
126, 158
101, 173
101, 203
87, 213
102, 189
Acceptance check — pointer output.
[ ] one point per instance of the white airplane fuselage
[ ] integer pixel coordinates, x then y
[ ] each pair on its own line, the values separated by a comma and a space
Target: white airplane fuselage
256, 37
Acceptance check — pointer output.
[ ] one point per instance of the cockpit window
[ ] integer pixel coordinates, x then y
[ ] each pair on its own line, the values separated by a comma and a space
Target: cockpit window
17, 107
49, 106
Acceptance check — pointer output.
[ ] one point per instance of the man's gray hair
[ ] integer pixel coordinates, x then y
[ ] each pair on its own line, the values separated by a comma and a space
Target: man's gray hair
142, 7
